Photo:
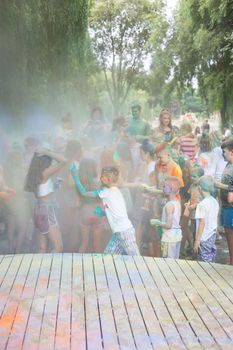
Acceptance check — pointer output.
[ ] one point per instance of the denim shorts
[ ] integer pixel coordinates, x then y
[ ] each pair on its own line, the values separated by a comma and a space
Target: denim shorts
45, 216
227, 217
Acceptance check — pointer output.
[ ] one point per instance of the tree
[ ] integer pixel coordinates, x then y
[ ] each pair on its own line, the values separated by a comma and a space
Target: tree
121, 32
43, 52
203, 49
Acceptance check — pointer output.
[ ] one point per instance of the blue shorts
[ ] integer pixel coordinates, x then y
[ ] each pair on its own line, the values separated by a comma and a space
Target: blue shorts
227, 217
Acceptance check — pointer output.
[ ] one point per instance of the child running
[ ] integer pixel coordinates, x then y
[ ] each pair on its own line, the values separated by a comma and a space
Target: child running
170, 224
207, 221
123, 239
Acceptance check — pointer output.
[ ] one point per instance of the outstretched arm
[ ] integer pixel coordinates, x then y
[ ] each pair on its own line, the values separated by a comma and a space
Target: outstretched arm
79, 185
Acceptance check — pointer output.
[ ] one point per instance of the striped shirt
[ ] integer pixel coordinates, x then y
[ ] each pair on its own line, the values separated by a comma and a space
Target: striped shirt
188, 145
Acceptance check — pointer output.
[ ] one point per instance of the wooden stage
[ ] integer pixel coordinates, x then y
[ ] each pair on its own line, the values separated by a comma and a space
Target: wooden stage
73, 301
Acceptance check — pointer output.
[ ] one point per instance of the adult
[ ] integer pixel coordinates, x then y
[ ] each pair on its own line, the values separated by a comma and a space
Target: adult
96, 128
227, 205
63, 133
137, 125
226, 132
165, 132
206, 158
220, 162
205, 127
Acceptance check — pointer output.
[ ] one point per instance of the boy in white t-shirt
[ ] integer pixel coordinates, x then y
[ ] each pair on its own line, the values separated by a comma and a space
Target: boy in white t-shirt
207, 221
172, 234
123, 239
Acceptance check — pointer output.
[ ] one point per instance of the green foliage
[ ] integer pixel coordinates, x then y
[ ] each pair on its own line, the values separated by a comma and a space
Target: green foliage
44, 52
121, 33
203, 49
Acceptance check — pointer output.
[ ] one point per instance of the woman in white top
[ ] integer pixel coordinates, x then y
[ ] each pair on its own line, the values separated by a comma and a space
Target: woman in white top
39, 182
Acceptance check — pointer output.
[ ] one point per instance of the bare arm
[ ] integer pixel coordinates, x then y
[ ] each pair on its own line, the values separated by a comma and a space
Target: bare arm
79, 185
53, 169
200, 230
221, 186
169, 215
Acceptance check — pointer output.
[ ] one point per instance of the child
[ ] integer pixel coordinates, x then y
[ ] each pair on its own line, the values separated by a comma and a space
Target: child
207, 221
189, 228
39, 182
172, 235
89, 222
123, 240
69, 200
7, 195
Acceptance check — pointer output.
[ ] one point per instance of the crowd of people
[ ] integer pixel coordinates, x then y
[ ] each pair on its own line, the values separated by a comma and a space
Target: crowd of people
126, 189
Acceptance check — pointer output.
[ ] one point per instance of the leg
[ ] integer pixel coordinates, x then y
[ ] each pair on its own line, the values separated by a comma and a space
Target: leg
229, 236
207, 251
22, 231
114, 246
56, 239
43, 243
128, 242
185, 234
85, 237
139, 234
154, 244
11, 233
97, 238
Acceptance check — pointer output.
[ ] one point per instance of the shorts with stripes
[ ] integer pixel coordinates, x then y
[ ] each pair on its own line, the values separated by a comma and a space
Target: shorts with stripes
45, 216
207, 250
123, 243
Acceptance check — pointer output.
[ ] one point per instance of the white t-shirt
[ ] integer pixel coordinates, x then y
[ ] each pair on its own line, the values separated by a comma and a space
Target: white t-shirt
115, 208
220, 163
150, 167
207, 161
208, 209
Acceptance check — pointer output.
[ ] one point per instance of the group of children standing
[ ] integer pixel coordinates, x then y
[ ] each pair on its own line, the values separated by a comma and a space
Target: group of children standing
174, 199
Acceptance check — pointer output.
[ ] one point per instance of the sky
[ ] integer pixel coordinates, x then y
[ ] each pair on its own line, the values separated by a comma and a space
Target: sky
171, 4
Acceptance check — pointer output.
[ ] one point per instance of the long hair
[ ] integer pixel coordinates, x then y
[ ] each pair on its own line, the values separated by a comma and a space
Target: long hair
88, 174
205, 143
148, 147
35, 172
162, 113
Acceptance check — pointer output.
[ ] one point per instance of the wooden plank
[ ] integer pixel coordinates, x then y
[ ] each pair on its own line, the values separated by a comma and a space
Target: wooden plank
25, 302
216, 301
186, 306
160, 309
141, 334
49, 321
226, 271
197, 299
78, 330
4, 266
220, 282
63, 329
105, 306
93, 321
32, 332
124, 330
9, 272
214, 288
21, 265
181, 322
152, 324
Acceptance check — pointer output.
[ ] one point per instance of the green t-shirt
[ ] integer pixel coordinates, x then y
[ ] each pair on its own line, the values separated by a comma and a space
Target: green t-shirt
139, 126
